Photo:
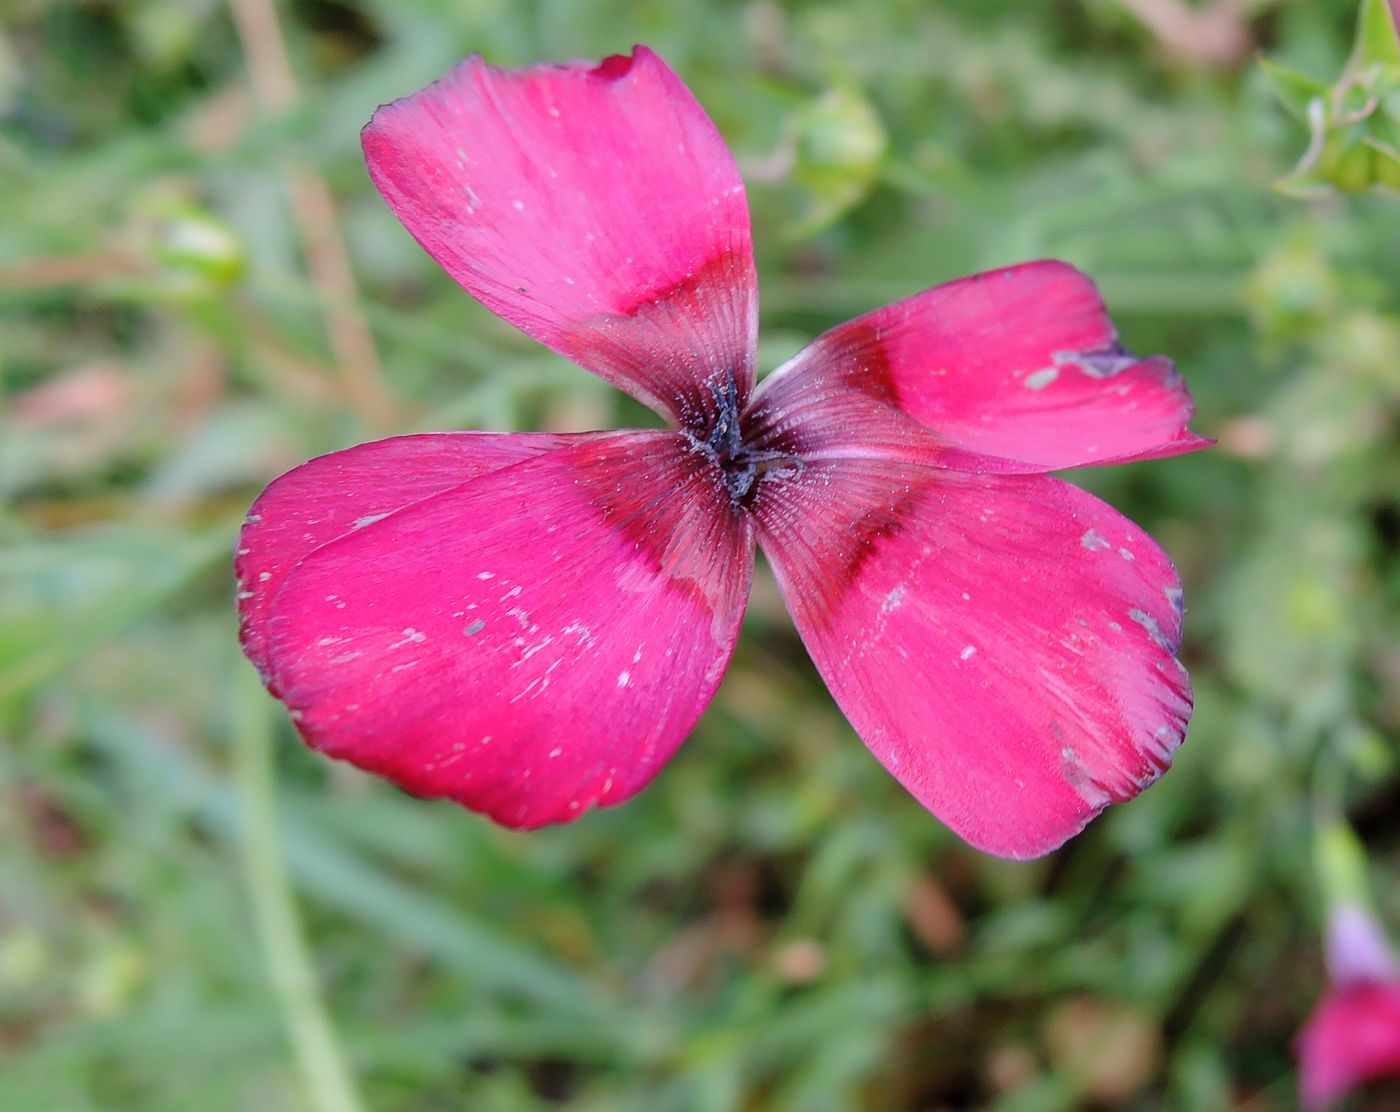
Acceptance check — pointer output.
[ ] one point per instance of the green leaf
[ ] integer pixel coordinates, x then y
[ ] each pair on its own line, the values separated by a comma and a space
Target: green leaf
1377, 37
1294, 90
1385, 164
329, 872
62, 601
1340, 860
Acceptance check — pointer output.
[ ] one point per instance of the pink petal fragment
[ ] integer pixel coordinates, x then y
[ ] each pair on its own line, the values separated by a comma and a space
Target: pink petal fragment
595, 207
1005, 645
1352, 1037
1021, 363
337, 493
1357, 949
530, 643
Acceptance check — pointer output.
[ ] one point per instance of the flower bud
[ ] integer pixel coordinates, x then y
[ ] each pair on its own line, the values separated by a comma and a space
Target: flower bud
1353, 125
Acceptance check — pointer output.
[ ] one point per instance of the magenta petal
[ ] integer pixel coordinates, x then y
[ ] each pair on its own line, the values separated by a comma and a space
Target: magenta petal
595, 207
1005, 645
530, 643
1352, 1037
1021, 363
343, 491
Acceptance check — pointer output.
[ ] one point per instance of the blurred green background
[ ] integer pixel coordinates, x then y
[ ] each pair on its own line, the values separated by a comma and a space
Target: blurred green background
774, 924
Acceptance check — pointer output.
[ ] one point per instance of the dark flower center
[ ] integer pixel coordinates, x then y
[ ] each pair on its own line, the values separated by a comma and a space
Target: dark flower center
744, 464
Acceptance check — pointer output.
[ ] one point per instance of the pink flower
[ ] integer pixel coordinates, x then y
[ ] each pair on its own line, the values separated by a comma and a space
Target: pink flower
1354, 1035
530, 624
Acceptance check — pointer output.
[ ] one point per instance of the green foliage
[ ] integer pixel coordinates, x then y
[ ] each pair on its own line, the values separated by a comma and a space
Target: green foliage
773, 924
1354, 126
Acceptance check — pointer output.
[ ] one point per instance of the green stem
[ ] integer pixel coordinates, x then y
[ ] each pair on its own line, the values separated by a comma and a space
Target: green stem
328, 1080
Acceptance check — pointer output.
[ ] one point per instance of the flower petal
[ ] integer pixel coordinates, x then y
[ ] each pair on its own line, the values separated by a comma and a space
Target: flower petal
1357, 949
1352, 1037
595, 207
1003, 644
816, 417
1021, 363
532, 642
337, 493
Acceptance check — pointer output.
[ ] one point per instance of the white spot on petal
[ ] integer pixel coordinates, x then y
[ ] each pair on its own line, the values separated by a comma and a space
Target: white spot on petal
1093, 541
1149, 623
